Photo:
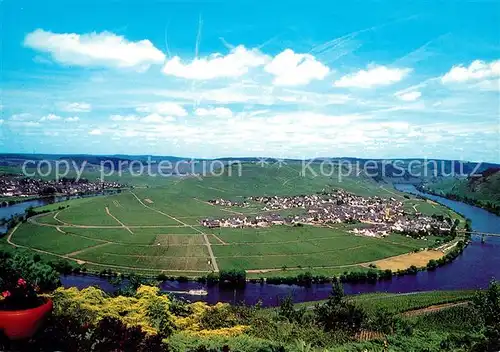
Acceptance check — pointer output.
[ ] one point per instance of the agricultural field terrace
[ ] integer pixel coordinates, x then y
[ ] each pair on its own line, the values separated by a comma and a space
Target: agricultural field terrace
158, 228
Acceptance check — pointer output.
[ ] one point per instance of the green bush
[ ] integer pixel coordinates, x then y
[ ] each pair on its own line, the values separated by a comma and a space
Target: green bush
339, 314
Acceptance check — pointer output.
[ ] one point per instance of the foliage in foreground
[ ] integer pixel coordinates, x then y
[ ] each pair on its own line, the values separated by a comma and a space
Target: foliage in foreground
21, 278
90, 320
153, 312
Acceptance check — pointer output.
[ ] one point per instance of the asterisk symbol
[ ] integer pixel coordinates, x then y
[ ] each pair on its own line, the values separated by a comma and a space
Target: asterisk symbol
280, 162
262, 162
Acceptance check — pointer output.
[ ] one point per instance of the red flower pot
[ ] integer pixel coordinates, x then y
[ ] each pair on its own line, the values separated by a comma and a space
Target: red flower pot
22, 324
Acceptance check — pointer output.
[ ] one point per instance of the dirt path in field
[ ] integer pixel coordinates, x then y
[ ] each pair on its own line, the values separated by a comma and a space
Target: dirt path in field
65, 224
59, 229
134, 244
72, 254
218, 239
205, 237
9, 241
152, 256
57, 219
432, 309
118, 221
447, 246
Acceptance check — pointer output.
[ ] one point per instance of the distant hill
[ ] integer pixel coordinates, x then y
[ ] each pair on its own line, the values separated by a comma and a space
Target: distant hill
409, 170
482, 189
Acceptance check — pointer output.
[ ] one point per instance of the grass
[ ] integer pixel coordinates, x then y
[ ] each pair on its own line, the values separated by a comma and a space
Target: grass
399, 303
308, 246
48, 219
112, 235
402, 302
449, 320
49, 239
158, 227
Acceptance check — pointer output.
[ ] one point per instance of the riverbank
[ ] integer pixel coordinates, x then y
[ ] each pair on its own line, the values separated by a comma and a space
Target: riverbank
9, 201
489, 207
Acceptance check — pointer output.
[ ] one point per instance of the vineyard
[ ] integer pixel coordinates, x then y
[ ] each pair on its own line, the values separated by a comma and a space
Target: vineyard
400, 303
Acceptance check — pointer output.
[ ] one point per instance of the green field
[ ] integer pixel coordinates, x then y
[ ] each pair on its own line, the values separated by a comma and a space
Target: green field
403, 302
158, 228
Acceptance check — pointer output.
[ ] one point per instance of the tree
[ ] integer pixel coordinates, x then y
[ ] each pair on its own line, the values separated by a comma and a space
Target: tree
337, 313
487, 304
287, 310
233, 277
432, 264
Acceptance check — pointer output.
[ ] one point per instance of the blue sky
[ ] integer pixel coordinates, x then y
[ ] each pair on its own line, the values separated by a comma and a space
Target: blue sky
238, 78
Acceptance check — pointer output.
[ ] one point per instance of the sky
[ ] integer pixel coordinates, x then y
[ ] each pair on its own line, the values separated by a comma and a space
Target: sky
285, 79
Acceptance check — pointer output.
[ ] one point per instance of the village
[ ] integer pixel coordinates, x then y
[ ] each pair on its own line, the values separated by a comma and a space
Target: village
22, 187
375, 216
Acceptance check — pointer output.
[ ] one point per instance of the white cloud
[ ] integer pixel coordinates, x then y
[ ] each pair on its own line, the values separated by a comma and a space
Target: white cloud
216, 112
373, 76
72, 119
95, 132
156, 118
75, 107
291, 69
51, 117
409, 96
477, 70
123, 118
95, 49
234, 64
21, 117
489, 85
1, 121
254, 94
153, 118
165, 108
24, 123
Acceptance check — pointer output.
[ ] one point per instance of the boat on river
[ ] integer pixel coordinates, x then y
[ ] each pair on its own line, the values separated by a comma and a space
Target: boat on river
199, 292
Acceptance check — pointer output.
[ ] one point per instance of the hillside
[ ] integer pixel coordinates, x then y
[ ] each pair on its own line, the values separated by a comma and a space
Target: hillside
263, 219
482, 190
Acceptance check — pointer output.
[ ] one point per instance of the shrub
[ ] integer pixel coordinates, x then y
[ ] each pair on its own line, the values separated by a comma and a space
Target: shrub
22, 264
232, 277
339, 314
487, 304
287, 310
146, 309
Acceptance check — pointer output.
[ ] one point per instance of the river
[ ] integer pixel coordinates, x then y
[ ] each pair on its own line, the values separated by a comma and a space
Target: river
478, 264
20, 208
